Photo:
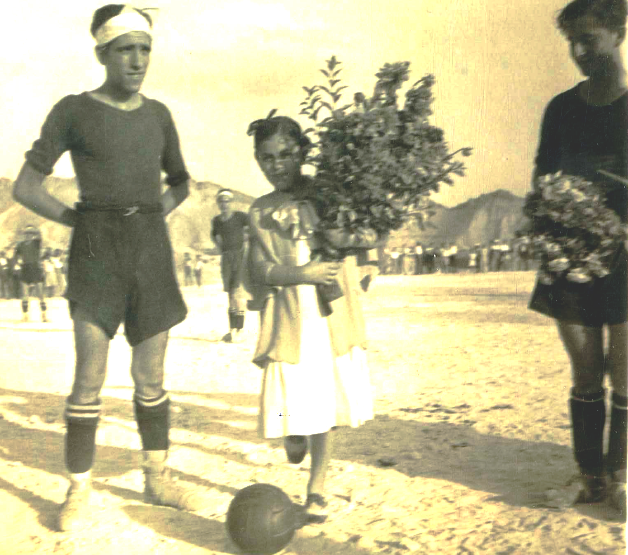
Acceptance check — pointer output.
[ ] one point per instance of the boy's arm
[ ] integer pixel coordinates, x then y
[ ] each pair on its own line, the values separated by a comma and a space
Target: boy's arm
30, 192
174, 196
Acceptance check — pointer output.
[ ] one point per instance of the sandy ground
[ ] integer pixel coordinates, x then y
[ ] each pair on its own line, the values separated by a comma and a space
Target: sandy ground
468, 453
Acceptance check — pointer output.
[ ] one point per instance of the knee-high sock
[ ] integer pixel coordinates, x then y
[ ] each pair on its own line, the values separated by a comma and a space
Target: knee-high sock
239, 320
153, 421
232, 318
24, 306
588, 413
80, 438
616, 459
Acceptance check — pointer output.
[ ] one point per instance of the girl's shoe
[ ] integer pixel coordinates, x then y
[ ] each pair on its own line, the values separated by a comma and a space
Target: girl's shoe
592, 489
316, 508
296, 448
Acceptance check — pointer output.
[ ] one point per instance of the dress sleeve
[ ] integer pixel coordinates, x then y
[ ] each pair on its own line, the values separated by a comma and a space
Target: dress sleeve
172, 159
54, 139
547, 158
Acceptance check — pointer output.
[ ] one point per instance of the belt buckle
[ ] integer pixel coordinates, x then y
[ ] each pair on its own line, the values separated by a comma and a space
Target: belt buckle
130, 210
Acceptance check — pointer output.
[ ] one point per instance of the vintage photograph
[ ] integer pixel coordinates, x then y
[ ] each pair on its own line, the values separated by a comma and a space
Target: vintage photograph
314, 278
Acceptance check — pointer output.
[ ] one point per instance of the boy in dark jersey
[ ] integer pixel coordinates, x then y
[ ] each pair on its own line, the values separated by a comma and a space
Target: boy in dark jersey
585, 133
229, 232
120, 264
31, 275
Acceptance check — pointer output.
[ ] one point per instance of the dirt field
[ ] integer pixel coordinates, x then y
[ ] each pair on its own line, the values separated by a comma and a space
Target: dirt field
469, 451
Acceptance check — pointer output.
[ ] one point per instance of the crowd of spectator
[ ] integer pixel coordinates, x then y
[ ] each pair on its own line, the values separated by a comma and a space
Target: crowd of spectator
447, 258
53, 264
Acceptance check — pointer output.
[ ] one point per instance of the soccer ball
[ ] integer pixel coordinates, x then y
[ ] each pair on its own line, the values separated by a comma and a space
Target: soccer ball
261, 519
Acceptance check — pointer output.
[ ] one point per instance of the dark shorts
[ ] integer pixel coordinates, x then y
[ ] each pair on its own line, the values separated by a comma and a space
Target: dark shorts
593, 305
31, 273
231, 269
121, 269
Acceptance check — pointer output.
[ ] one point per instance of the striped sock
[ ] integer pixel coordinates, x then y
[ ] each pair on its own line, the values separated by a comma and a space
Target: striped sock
80, 438
616, 459
153, 421
588, 414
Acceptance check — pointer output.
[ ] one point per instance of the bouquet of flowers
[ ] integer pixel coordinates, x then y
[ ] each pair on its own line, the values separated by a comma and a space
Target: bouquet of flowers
575, 234
376, 162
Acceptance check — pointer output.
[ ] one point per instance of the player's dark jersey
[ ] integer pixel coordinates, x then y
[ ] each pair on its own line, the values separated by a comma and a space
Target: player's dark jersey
28, 251
231, 231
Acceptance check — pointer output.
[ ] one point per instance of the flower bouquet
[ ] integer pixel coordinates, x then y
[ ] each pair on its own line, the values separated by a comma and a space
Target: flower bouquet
375, 161
576, 236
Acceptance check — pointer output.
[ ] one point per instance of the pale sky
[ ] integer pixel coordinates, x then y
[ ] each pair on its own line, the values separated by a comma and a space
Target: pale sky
220, 64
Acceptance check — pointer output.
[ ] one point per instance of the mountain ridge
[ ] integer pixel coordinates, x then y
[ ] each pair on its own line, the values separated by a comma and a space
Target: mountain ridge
493, 215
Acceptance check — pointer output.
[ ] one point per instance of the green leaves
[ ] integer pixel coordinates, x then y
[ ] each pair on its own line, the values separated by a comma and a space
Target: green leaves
376, 162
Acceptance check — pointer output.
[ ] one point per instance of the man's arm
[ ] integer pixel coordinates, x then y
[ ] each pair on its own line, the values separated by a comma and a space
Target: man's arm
30, 192
174, 196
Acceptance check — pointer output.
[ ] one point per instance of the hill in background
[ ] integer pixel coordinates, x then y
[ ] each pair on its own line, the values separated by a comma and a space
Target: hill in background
495, 215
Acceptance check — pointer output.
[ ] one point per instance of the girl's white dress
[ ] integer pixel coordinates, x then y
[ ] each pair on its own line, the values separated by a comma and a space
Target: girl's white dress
319, 392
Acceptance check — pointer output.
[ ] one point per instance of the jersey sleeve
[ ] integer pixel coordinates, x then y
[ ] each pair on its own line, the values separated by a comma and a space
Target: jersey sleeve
172, 159
54, 139
547, 157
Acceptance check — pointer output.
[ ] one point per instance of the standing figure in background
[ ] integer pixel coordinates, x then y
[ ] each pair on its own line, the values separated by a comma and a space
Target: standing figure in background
188, 270
58, 264
473, 260
27, 256
50, 276
198, 270
121, 267
453, 258
5, 277
484, 258
408, 261
230, 234
395, 255
585, 133
418, 259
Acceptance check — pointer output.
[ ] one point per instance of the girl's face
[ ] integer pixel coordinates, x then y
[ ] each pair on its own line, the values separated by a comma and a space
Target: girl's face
279, 157
126, 60
593, 47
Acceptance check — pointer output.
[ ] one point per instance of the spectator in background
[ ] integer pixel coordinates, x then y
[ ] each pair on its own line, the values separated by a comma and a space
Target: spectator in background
418, 259
188, 267
50, 276
5, 278
408, 261
395, 255
473, 259
198, 270
59, 267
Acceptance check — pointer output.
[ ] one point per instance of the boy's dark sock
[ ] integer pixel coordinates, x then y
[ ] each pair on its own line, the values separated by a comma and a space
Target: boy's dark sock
80, 438
153, 421
616, 458
588, 414
239, 320
232, 318
24, 307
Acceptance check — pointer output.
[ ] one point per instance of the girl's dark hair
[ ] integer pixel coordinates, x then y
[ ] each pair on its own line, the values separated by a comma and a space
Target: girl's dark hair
610, 13
104, 14
263, 129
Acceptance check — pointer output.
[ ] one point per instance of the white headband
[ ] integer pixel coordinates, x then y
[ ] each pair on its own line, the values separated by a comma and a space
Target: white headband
127, 21
224, 194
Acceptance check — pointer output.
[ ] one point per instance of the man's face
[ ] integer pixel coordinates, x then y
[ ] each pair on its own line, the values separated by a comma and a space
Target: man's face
126, 60
591, 45
224, 204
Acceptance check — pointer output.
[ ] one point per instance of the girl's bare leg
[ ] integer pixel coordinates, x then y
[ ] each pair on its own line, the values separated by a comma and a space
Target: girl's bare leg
320, 451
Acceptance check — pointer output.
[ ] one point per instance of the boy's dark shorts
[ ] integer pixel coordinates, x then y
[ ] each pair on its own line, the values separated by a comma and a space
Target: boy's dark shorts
231, 269
31, 273
594, 304
121, 269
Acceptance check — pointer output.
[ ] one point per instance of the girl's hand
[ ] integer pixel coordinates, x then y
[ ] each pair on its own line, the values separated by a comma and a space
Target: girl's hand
316, 272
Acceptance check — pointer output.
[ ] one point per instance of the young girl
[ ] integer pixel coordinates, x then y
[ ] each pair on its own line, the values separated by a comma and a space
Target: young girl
315, 371
585, 133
